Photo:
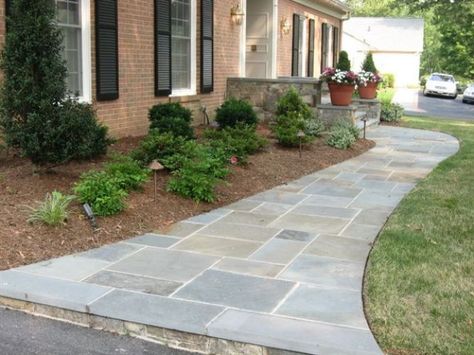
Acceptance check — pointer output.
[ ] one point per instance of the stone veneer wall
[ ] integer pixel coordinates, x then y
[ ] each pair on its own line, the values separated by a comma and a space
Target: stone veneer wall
263, 94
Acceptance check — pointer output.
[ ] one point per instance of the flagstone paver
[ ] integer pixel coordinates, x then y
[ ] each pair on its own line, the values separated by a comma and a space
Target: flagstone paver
282, 269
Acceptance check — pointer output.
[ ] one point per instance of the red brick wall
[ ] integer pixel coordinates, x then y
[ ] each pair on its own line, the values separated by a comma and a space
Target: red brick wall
128, 115
286, 9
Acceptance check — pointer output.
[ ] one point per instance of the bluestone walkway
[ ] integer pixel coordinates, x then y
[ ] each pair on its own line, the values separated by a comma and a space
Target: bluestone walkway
281, 269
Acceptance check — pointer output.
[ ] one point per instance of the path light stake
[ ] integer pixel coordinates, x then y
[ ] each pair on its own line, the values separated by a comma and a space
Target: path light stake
300, 136
365, 124
155, 166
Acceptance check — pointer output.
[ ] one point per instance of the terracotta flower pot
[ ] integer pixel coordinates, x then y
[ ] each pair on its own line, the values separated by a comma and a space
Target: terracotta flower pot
368, 92
341, 94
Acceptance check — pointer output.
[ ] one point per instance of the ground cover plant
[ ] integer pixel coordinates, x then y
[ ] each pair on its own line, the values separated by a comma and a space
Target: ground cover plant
419, 283
343, 134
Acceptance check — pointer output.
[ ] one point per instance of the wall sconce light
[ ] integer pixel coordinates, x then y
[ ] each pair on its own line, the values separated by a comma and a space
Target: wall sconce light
237, 15
285, 26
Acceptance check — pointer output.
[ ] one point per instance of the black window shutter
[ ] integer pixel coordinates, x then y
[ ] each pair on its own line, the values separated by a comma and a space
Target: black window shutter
335, 46
207, 46
311, 49
107, 66
8, 6
163, 86
296, 46
324, 46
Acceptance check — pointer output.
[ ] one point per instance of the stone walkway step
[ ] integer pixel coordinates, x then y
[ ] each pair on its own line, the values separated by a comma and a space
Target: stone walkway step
279, 270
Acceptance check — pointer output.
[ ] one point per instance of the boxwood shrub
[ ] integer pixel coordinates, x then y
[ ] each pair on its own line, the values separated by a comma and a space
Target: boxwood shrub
172, 118
233, 112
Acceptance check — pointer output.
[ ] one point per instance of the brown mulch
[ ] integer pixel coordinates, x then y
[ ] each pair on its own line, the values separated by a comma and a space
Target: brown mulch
22, 243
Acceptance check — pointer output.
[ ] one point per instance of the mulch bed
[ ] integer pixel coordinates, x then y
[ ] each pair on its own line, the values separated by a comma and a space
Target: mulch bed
22, 243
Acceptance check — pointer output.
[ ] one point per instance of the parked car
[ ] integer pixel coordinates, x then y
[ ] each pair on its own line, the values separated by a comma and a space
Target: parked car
468, 96
441, 85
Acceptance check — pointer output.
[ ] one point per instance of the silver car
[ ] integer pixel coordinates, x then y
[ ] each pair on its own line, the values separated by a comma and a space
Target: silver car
468, 96
441, 85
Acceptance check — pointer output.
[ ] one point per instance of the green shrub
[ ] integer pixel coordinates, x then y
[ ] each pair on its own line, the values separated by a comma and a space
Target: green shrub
157, 145
386, 96
369, 65
197, 173
313, 127
291, 101
388, 81
53, 211
349, 126
340, 138
234, 112
391, 112
193, 184
240, 141
171, 118
343, 63
36, 113
102, 191
294, 116
129, 173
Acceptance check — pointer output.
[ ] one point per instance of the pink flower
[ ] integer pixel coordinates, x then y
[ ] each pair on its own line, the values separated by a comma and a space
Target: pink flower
234, 160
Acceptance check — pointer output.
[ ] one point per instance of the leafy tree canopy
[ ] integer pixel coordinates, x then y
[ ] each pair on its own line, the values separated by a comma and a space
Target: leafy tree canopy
449, 38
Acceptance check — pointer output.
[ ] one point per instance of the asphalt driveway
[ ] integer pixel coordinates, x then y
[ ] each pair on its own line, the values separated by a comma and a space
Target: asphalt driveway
417, 104
22, 334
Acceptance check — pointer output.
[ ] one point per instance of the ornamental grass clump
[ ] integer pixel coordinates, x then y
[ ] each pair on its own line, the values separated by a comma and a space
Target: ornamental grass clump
53, 211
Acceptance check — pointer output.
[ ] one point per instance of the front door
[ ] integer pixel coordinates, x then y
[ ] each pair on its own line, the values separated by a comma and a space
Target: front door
259, 39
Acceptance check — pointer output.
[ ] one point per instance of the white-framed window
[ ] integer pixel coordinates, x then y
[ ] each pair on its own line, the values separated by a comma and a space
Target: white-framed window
183, 47
73, 18
302, 57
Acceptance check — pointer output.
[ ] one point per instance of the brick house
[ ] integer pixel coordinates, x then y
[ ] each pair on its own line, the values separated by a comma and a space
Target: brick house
125, 56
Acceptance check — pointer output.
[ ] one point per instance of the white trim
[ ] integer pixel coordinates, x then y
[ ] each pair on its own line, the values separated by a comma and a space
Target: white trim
304, 48
243, 41
192, 90
86, 52
275, 32
321, 8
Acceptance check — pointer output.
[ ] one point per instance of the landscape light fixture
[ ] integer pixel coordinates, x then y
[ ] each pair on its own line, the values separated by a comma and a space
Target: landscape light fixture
90, 215
300, 136
155, 166
237, 15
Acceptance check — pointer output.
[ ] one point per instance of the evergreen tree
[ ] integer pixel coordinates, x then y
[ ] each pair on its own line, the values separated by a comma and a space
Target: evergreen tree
369, 65
343, 63
36, 113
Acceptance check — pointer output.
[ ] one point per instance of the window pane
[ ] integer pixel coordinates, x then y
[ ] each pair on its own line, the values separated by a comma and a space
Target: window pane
181, 43
68, 17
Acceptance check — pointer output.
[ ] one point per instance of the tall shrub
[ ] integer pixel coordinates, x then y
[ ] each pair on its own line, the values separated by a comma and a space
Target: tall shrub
343, 63
36, 113
369, 65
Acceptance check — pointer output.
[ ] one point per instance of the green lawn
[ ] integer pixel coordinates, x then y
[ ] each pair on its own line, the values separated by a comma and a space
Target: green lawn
419, 289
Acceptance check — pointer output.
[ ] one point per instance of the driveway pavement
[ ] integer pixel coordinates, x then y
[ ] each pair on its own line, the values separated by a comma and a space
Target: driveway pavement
417, 104
22, 334
282, 269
